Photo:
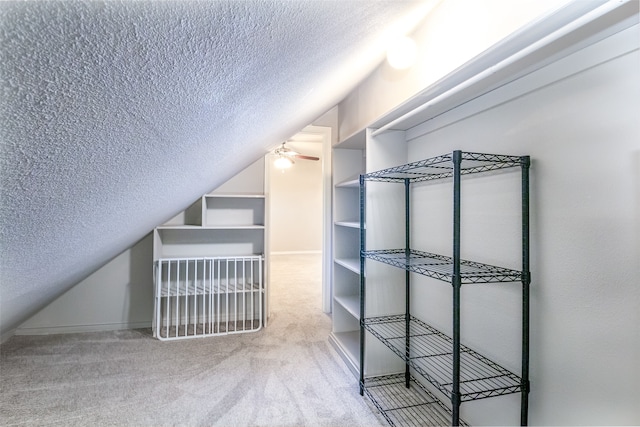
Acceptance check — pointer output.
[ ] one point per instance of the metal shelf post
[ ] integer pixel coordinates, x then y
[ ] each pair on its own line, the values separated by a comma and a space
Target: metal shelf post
407, 310
456, 282
526, 281
362, 279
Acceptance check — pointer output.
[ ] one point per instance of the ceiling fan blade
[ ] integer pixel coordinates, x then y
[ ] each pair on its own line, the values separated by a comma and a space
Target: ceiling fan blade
288, 152
303, 157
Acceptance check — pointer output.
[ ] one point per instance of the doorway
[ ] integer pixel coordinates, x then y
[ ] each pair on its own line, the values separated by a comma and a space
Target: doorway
300, 203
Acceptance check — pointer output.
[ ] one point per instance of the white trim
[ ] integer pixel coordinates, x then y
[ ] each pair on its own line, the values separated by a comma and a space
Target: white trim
296, 252
616, 45
73, 329
4, 337
574, 27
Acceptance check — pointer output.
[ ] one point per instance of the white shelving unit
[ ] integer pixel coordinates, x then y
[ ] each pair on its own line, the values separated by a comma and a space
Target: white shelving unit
348, 164
226, 211
386, 297
351, 157
387, 362
211, 265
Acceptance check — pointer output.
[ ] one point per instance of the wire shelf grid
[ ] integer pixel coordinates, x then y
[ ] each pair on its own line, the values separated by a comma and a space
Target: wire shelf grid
431, 353
440, 167
192, 288
458, 372
441, 267
402, 406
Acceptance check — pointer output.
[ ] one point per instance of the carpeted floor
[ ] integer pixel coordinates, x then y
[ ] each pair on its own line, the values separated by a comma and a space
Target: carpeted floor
284, 375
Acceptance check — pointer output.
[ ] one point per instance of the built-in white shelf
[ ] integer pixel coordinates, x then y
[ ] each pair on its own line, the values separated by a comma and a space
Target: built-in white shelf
201, 227
233, 210
351, 182
348, 164
221, 224
352, 264
351, 303
350, 341
354, 141
235, 227
174, 242
235, 196
351, 224
179, 227
347, 344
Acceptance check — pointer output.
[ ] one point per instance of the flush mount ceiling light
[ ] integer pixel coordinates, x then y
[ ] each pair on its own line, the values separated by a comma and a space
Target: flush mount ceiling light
402, 53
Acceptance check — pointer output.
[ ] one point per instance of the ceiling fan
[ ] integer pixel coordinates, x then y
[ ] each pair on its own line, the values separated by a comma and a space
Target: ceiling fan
285, 155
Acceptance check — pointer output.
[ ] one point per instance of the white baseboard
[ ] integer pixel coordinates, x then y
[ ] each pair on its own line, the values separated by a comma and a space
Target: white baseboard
7, 335
296, 252
74, 329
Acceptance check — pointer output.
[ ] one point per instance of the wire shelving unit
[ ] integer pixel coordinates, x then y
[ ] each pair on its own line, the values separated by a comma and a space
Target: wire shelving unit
458, 372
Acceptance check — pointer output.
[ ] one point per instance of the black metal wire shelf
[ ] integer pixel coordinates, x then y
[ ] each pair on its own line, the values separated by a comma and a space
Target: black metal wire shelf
414, 406
456, 371
431, 356
442, 167
441, 267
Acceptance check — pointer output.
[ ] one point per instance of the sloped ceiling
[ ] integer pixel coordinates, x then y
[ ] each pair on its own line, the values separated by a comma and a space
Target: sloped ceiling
116, 115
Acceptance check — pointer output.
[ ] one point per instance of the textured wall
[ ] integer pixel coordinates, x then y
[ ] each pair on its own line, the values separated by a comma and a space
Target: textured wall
116, 115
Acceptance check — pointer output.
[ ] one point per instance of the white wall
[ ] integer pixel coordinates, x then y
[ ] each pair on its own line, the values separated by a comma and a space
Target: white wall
453, 33
296, 202
583, 136
578, 119
117, 296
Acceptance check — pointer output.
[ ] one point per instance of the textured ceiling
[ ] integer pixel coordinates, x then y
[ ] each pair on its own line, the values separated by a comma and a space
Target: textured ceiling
117, 115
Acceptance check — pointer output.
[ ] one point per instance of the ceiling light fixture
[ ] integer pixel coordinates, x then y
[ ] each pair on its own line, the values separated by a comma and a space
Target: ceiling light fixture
284, 157
282, 162
402, 53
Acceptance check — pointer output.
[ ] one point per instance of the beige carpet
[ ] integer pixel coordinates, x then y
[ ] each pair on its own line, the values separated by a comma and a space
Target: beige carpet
284, 375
